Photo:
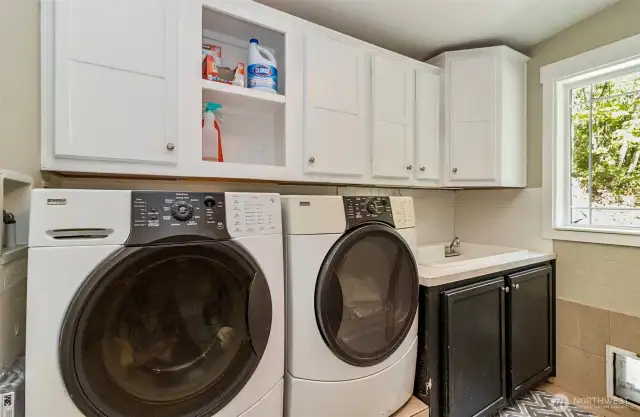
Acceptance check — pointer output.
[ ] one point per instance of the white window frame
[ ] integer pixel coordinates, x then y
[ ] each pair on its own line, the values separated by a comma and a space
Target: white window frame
557, 79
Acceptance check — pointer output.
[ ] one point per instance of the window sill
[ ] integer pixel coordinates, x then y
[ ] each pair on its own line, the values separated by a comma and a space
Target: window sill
601, 235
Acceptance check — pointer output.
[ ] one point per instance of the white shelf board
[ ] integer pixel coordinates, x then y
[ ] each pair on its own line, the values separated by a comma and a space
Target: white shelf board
246, 98
13, 179
10, 255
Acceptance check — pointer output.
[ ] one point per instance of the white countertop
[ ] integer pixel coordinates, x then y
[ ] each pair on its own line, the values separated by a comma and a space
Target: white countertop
475, 260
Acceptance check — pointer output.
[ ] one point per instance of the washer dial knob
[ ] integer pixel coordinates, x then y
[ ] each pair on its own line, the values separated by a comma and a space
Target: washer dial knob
182, 210
371, 206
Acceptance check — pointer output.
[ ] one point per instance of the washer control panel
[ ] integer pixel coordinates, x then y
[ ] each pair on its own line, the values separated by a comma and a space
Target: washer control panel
403, 212
360, 210
158, 216
253, 214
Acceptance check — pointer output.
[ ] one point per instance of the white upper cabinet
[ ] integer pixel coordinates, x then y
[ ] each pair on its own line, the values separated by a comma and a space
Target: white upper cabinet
485, 117
392, 121
336, 97
427, 161
114, 80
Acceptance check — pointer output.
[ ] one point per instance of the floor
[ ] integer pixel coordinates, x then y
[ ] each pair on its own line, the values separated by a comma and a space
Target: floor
543, 403
599, 411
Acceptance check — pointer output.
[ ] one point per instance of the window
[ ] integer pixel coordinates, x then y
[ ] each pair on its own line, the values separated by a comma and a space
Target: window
591, 145
605, 151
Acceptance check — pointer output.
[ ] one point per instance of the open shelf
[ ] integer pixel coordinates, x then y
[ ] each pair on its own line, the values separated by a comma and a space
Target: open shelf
15, 192
252, 122
13, 254
233, 34
246, 98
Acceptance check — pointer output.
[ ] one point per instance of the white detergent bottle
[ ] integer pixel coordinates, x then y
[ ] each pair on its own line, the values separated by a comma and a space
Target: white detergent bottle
263, 69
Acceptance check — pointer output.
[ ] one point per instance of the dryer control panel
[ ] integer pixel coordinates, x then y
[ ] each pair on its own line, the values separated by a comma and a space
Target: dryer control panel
164, 216
360, 210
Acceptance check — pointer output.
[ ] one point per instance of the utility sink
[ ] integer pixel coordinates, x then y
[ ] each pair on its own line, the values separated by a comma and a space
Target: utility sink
471, 255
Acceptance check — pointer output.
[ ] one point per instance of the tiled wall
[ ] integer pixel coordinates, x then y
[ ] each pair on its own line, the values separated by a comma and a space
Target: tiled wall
582, 334
434, 208
510, 217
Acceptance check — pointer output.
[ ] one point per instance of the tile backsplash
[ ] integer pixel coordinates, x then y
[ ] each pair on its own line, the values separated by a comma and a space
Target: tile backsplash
501, 217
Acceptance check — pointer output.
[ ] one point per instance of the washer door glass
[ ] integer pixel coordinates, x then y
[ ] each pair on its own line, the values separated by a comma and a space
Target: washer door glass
166, 331
367, 294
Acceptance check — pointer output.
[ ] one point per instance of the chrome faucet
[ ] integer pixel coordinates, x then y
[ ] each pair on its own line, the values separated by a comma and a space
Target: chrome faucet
452, 249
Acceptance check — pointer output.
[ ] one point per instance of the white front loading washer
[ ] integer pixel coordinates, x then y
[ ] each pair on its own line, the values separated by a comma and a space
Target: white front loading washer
352, 295
155, 303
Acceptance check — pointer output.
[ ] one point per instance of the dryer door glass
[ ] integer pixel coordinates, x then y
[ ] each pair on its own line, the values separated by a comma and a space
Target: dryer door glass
367, 294
166, 331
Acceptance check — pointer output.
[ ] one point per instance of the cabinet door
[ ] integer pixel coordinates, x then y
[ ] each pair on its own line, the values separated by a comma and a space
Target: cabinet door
472, 89
335, 105
530, 328
474, 349
115, 80
427, 122
392, 86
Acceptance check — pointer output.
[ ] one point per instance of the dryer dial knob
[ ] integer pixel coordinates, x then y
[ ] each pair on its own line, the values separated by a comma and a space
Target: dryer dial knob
371, 207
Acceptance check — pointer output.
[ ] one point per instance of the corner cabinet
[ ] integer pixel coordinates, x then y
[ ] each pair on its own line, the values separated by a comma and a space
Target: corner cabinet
484, 104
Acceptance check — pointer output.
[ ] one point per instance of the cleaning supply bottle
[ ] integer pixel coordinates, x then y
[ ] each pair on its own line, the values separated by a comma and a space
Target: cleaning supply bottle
211, 137
263, 69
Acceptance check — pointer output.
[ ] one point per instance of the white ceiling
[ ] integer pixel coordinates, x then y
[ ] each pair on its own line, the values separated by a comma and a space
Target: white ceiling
420, 28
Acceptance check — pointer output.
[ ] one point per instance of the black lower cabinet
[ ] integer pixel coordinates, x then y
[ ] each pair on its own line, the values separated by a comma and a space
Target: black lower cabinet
474, 351
485, 342
530, 308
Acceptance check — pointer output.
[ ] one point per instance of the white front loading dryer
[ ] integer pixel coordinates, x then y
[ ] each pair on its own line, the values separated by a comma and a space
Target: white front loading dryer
352, 296
155, 303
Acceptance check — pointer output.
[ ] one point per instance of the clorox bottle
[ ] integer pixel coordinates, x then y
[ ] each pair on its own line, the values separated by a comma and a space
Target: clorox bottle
263, 69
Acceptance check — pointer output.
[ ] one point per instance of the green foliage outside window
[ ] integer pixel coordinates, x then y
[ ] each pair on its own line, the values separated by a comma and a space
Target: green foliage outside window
615, 153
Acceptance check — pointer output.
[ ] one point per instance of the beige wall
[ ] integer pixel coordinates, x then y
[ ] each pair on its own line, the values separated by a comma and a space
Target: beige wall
607, 277
612, 24
20, 86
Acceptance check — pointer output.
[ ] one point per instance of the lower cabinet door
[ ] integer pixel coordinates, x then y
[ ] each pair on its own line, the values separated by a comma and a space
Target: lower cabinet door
530, 329
474, 349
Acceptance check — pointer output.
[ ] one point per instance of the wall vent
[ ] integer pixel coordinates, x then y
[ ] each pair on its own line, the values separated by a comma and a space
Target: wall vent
623, 376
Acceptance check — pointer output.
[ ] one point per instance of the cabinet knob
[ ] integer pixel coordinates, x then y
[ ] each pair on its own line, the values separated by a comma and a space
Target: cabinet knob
409, 167
454, 170
516, 286
505, 289
422, 168
312, 160
170, 146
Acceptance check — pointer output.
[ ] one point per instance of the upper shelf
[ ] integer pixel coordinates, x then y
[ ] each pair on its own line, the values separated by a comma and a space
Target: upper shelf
246, 98
13, 179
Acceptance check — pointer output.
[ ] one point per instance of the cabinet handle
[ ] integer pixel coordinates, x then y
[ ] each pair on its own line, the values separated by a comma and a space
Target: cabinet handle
516, 286
312, 160
409, 167
454, 170
505, 289
422, 168
170, 146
